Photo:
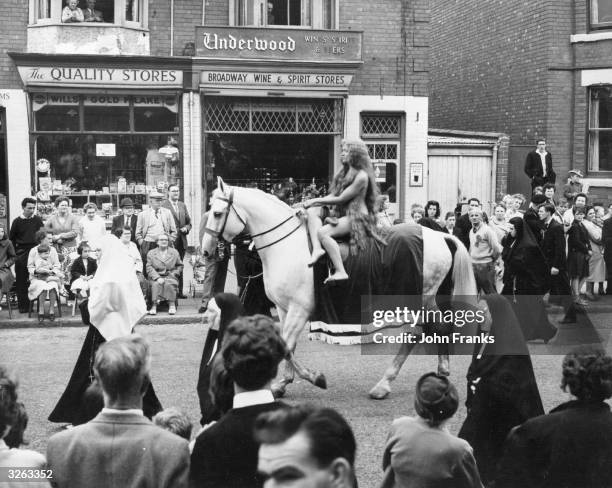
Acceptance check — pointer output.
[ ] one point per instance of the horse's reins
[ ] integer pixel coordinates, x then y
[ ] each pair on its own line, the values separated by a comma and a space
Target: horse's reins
230, 206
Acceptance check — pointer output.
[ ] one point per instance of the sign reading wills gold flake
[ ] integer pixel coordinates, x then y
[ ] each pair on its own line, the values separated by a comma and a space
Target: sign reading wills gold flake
274, 80
278, 44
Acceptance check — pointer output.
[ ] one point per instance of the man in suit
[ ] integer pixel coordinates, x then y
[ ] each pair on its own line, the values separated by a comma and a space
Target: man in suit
463, 226
538, 166
606, 237
151, 224
126, 219
182, 221
225, 455
553, 248
90, 14
532, 216
315, 443
120, 446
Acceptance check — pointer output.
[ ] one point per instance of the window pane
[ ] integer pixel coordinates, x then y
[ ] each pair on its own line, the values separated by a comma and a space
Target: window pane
133, 10
105, 8
154, 119
601, 148
107, 119
328, 14
43, 9
601, 107
58, 118
601, 11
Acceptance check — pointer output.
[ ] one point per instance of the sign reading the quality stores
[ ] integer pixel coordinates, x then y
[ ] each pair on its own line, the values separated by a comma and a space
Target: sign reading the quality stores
278, 44
88, 76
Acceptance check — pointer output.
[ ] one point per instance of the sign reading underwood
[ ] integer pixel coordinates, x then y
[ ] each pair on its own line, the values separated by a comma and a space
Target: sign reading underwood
278, 44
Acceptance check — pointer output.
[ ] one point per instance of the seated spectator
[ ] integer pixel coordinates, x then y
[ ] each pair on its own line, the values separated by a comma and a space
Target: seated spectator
72, 13
7, 259
82, 271
420, 451
225, 455
44, 277
314, 446
164, 266
91, 14
174, 420
120, 447
13, 421
572, 445
125, 235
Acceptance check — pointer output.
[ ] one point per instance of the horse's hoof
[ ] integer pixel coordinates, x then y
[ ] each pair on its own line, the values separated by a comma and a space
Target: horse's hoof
443, 369
379, 392
320, 381
278, 391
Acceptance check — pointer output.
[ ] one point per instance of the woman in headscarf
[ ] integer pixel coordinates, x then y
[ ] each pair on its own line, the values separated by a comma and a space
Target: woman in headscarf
114, 307
525, 274
221, 311
501, 388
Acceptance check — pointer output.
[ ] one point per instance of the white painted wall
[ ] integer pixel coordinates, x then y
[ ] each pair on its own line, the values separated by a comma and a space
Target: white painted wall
192, 162
17, 148
415, 110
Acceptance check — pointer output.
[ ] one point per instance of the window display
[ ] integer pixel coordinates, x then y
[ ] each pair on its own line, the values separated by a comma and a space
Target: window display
102, 148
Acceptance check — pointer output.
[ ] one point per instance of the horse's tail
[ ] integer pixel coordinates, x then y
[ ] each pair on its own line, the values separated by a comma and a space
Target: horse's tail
464, 283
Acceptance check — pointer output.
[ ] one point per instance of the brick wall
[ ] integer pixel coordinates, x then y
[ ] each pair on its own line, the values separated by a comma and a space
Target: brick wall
13, 38
489, 66
395, 45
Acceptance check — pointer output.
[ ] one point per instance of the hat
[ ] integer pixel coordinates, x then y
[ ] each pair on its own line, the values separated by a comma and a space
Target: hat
436, 398
156, 194
126, 202
576, 172
538, 199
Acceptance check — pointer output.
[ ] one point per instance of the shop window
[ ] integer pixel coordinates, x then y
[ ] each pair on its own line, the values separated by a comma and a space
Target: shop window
380, 126
102, 148
318, 14
122, 12
600, 129
601, 13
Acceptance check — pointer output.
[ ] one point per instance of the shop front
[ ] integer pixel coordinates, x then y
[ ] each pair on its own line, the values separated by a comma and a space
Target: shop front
4, 211
99, 135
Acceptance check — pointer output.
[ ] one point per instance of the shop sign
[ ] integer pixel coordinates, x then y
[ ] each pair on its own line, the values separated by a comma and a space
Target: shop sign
294, 44
40, 100
105, 150
4, 97
82, 76
416, 174
274, 80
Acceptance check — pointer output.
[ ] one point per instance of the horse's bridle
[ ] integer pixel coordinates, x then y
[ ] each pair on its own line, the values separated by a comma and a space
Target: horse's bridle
230, 206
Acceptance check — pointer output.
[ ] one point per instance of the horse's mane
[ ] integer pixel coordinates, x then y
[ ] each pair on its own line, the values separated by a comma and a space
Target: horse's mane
272, 198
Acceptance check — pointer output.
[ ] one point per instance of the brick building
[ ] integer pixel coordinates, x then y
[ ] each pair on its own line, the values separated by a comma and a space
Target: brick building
529, 69
255, 91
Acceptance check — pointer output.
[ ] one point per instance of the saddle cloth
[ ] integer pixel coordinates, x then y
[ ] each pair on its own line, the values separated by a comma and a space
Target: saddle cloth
394, 269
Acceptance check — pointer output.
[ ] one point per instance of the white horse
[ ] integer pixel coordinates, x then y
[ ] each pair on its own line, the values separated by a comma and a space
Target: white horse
282, 243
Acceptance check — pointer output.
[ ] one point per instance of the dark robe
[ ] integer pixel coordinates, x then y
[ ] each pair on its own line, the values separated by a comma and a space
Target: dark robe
79, 403
249, 275
525, 280
431, 224
231, 308
501, 389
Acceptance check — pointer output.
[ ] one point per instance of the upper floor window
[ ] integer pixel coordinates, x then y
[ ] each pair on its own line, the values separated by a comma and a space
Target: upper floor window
601, 13
318, 14
600, 128
122, 12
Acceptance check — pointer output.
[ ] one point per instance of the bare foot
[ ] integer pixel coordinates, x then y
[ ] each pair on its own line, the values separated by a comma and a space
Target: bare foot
316, 255
337, 276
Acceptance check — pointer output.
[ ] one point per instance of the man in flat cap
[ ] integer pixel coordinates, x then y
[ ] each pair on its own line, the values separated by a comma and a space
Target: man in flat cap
573, 186
151, 223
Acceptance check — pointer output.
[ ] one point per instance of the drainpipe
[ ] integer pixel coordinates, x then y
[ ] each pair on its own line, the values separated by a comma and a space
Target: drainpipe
203, 11
171, 27
494, 173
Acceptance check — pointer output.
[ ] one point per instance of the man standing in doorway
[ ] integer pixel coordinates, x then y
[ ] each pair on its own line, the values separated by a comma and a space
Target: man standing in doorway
182, 221
538, 166
23, 236
151, 223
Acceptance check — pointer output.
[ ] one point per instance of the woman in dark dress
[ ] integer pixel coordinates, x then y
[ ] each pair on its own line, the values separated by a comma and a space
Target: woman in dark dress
525, 274
501, 388
222, 310
578, 254
7, 259
115, 306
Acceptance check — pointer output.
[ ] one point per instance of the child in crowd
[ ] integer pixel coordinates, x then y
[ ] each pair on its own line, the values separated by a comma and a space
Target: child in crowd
449, 221
82, 271
174, 420
44, 276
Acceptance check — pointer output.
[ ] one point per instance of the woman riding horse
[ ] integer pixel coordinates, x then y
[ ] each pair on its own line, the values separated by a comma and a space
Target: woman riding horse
354, 193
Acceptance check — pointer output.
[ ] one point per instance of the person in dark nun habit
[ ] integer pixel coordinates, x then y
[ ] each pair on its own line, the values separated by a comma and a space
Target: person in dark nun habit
114, 307
221, 311
501, 388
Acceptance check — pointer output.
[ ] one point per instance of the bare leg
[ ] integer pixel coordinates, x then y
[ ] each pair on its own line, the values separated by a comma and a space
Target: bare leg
314, 224
326, 236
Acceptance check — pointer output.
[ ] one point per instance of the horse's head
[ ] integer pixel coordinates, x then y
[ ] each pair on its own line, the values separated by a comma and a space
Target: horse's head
223, 218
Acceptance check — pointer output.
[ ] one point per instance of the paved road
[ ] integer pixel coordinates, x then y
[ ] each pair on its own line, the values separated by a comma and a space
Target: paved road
43, 360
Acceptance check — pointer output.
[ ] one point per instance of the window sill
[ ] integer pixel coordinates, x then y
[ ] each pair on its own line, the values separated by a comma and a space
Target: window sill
81, 25
594, 179
591, 37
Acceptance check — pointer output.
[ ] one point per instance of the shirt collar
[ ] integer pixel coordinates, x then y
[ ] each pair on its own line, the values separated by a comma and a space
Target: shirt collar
129, 411
250, 398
